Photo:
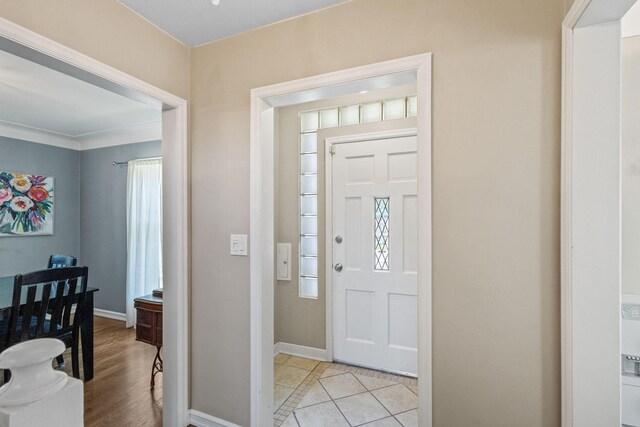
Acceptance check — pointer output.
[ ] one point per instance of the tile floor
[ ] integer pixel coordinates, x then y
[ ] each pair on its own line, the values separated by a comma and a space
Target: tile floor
308, 393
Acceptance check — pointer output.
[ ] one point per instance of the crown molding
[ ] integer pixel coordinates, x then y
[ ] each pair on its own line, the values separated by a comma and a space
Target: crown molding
110, 138
11, 130
128, 135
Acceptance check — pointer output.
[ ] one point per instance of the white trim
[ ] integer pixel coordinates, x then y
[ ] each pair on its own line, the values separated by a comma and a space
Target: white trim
340, 77
328, 189
200, 419
565, 253
575, 13
109, 314
584, 15
372, 136
301, 351
56, 50
328, 291
261, 226
566, 350
109, 138
176, 232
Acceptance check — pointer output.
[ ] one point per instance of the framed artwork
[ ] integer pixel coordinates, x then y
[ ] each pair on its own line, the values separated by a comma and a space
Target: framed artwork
26, 204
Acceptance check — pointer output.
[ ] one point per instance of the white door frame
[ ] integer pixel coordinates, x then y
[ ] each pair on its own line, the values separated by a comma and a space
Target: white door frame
590, 213
176, 231
262, 225
328, 185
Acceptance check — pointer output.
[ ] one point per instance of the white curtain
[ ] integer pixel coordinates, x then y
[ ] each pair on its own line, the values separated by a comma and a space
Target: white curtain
144, 230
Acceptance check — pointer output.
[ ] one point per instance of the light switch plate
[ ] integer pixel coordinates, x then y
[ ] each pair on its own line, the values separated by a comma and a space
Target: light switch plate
239, 246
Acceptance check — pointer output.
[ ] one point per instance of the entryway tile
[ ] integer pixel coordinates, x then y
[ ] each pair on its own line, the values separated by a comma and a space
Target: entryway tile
289, 422
343, 386
360, 396
280, 358
301, 363
386, 422
408, 419
330, 372
315, 395
413, 388
280, 395
322, 415
372, 383
289, 376
397, 398
361, 408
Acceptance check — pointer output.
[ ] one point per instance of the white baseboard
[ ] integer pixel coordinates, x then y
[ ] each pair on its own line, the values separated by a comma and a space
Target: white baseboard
109, 314
200, 419
301, 351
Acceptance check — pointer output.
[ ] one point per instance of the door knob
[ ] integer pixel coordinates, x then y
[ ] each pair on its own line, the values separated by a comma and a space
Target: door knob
338, 268
338, 239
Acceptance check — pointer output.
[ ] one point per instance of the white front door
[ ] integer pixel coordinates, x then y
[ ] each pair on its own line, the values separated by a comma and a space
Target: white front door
375, 229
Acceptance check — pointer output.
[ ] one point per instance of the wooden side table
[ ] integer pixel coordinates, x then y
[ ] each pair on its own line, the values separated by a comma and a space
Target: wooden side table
149, 327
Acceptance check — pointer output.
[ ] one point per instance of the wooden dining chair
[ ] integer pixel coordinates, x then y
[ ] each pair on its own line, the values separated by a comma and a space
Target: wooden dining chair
36, 312
59, 261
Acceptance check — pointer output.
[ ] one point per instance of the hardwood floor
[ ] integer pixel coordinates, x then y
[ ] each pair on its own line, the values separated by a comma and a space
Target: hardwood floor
119, 393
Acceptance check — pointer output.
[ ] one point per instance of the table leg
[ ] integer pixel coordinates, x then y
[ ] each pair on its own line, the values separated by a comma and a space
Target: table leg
157, 367
86, 336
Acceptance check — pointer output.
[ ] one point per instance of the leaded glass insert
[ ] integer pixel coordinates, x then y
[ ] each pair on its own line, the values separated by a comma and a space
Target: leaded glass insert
381, 234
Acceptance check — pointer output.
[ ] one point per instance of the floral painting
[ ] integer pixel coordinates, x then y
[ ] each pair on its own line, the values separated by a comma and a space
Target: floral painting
26, 204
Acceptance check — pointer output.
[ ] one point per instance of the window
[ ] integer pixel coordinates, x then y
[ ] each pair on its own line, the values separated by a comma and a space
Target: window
308, 285
381, 234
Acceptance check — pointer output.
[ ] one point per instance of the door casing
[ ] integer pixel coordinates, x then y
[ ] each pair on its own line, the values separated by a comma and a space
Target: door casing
261, 246
175, 180
590, 213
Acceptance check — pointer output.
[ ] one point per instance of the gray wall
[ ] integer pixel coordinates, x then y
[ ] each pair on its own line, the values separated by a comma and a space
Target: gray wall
23, 254
90, 212
103, 226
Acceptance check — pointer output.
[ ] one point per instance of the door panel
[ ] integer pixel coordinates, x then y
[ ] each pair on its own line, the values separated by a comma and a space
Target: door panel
353, 236
360, 316
375, 211
402, 334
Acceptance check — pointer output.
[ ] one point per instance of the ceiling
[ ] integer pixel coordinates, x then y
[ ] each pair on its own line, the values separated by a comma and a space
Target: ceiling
36, 97
196, 22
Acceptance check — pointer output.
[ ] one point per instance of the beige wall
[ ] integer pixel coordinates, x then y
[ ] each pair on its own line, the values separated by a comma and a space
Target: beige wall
630, 165
111, 33
495, 179
302, 321
496, 152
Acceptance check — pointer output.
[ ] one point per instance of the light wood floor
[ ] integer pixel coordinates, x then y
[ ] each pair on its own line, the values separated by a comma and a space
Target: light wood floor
119, 393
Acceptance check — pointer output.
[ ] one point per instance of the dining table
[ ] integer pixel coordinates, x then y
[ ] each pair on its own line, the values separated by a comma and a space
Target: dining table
86, 326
